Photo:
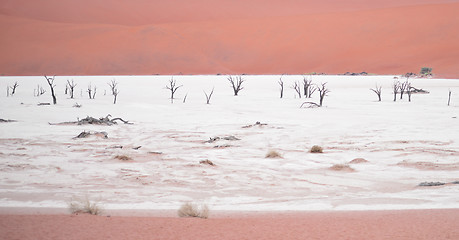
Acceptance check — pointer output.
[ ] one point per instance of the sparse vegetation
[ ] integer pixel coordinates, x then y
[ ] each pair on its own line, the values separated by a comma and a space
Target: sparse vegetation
342, 167
273, 154
192, 210
426, 71
316, 149
207, 162
123, 158
84, 206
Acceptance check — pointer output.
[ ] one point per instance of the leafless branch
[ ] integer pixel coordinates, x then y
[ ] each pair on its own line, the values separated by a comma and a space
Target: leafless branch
236, 84
378, 91
209, 96
323, 91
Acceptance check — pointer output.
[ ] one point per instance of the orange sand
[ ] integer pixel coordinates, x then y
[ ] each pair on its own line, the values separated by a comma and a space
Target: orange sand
228, 37
406, 224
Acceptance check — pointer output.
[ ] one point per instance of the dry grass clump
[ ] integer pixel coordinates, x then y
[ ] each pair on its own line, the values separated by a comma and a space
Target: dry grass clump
273, 154
123, 158
84, 206
358, 160
192, 210
342, 167
207, 162
316, 149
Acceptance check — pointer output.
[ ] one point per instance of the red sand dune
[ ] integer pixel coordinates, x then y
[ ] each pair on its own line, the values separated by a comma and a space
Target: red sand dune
375, 225
229, 37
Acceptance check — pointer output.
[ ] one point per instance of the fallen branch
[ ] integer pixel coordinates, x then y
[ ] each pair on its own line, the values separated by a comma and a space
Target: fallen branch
94, 121
310, 105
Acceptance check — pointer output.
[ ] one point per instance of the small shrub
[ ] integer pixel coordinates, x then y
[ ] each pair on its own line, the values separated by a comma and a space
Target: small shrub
191, 210
123, 158
358, 160
316, 149
342, 167
273, 154
207, 162
84, 206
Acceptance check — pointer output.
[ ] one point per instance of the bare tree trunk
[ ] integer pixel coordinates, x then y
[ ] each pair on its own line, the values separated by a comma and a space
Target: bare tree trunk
71, 86
377, 90
209, 96
308, 88
115, 95
323, 91
297, 89
172, 88
236, 84
13, 88
449, 96
281, 84
52, 86
395, 88
408, 90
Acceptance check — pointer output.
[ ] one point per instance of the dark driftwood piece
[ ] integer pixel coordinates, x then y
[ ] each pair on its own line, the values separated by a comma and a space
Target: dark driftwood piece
6, 120
95, 121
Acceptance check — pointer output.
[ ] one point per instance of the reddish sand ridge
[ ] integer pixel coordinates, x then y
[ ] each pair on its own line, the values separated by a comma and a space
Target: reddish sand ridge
384, 37
376, 225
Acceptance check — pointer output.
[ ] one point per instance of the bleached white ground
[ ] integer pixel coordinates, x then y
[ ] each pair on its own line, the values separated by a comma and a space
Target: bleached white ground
405, 143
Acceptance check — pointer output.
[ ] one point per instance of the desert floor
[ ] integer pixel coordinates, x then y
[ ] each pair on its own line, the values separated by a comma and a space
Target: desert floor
376, 157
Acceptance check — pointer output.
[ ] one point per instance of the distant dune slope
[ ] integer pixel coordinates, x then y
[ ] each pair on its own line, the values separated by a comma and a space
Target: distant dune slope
393, 37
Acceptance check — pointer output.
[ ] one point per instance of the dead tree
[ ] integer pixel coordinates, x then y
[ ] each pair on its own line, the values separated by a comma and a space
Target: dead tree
297, 89
323, 91
7, 91
281, 84
92, 92
395, 87
40, 91
449, 96
52, 86
377, 90
308, 87
409, 90
209, 96
115, 95
172, 87
113, 86
13, 88
71, 86
403, 87
236, 84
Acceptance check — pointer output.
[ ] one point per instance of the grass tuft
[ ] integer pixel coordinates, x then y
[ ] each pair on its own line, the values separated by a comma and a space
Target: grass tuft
316, 149
84, 206
342, 167
192, 210
273, 154
123, 158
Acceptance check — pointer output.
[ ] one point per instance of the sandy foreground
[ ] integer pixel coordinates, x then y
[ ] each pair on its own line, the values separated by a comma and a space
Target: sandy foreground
404, 224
